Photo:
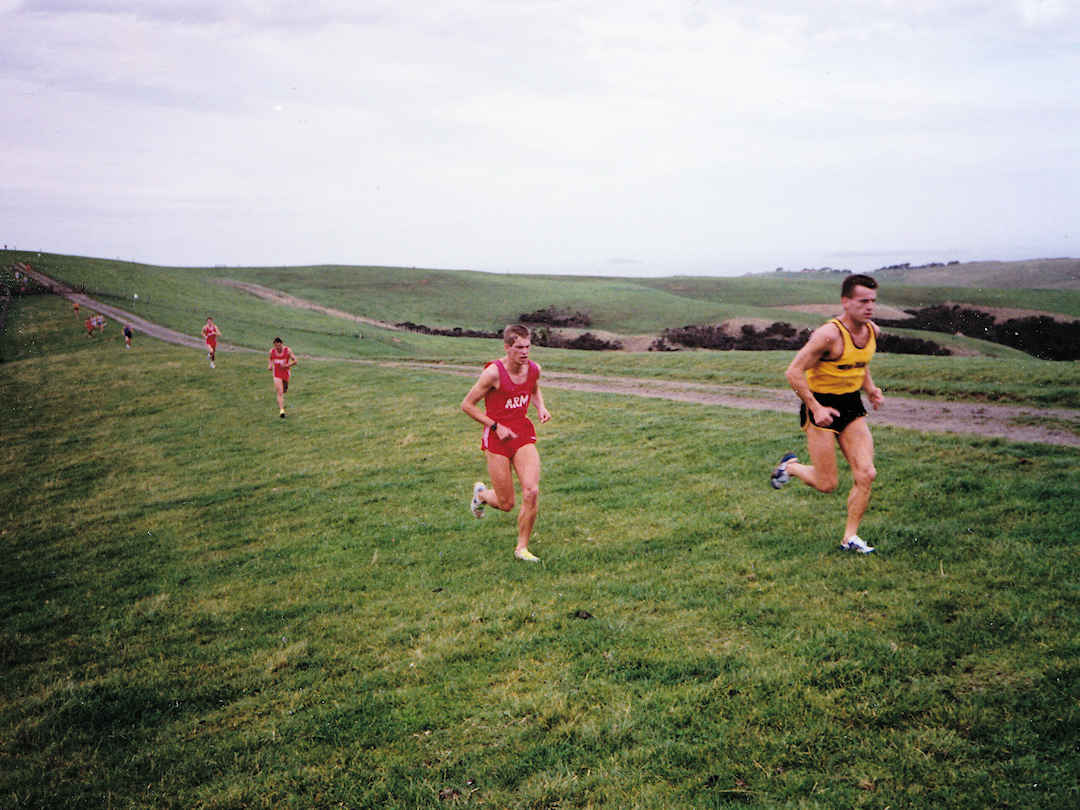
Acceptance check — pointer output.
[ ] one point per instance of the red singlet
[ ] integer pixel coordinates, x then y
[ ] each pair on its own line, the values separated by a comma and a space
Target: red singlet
509, 405
280, 360
210, 333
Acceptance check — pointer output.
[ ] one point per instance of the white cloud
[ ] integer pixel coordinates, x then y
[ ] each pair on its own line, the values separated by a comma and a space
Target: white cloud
499, 133
1040, 13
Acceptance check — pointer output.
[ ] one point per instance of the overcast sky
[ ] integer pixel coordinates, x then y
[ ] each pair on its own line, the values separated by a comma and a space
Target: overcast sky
626, 137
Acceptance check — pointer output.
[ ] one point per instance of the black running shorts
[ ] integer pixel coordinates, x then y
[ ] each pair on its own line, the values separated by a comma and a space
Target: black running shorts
850, 407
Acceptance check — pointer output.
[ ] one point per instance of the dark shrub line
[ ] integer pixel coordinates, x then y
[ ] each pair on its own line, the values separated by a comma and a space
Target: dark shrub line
554, 316
542, 336
1039, 335
776, 336
457, 331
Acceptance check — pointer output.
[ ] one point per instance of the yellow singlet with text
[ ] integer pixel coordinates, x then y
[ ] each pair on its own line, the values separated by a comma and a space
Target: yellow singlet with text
847, 372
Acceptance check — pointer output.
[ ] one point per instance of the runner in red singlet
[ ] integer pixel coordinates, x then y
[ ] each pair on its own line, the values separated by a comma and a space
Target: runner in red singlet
210, 334
508, 386
281, 360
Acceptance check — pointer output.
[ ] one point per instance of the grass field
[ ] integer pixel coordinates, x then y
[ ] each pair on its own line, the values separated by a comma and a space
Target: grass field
207, 607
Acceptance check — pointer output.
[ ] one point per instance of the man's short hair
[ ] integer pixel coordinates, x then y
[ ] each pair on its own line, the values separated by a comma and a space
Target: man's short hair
278, 340
857, 280
513, 332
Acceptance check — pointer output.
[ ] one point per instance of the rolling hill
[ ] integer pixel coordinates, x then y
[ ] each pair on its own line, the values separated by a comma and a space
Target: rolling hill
625, 309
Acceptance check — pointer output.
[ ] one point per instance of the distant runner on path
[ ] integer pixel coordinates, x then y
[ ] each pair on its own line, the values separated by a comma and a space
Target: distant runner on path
282, 360
127, 335
89, 324
507, 386
210, 334
827, 374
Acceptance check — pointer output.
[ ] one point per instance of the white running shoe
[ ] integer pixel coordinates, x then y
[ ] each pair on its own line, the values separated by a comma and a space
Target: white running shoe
525, 555
477, 505
856, 543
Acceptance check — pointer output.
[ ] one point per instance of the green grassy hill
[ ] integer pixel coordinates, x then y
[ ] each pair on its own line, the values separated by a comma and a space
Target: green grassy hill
181, 298
1047, 274
202, 605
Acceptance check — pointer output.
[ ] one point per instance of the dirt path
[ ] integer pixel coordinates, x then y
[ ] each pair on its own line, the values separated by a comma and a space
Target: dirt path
279, 297
1057, 426
1016, 423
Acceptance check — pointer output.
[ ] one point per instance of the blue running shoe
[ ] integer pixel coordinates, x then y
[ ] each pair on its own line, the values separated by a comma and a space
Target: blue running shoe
780, 474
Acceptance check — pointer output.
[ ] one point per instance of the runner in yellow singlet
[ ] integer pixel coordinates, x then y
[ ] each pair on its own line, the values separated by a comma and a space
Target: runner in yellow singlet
828, 374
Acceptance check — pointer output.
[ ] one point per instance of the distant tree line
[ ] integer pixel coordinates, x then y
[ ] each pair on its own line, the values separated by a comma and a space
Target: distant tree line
1039, 335
830, 270
908, 265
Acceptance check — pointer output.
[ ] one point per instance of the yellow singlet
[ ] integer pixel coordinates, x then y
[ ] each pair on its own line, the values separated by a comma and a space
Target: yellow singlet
847, 372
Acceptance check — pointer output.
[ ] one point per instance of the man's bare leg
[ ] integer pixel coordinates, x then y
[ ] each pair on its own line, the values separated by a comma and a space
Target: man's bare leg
500, 494
526, 463
857, 444
821, 473
279, 389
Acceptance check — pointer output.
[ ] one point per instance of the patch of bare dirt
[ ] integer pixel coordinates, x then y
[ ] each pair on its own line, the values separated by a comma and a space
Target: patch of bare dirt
734, 326
630, 343
637, 343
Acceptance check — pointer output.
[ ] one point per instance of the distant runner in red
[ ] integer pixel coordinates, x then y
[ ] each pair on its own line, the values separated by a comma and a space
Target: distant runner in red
89, 324
282, 360
210, 334
508, 386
